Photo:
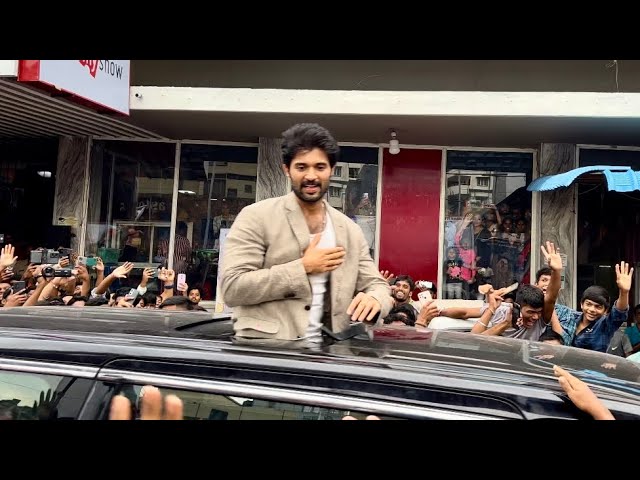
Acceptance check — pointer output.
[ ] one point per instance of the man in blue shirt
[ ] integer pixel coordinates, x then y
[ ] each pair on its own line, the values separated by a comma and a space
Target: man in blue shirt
594, 326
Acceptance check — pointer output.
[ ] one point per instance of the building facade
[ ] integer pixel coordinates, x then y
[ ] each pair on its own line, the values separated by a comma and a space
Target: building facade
202, 141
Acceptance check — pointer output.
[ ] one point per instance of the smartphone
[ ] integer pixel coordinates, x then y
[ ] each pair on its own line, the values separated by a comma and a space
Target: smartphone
424, 297
91, 261
82, 261
133, 293
17, 286
182, 278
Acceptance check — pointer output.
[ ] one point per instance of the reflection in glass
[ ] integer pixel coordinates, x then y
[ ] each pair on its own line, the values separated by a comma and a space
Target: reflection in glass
130, 198
216, 182
487, 237
353, 189
209, 406
30, 396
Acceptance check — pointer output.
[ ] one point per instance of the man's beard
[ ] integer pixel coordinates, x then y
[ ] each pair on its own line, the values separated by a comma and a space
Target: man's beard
309, 198
400, 300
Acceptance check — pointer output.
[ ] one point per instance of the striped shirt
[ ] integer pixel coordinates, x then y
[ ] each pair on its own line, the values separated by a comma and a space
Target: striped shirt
181, 253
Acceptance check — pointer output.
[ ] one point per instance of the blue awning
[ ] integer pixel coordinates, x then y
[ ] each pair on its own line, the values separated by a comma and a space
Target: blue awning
619, 179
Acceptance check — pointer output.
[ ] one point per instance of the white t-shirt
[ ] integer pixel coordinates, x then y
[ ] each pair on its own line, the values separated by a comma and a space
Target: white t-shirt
319, 284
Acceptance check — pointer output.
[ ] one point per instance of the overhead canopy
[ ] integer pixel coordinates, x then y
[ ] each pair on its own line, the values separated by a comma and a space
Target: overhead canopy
28, 112
619, 179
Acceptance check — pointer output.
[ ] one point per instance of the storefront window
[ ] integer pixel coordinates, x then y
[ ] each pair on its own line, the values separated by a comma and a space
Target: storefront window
216, 182
130, 199
27, 191
354, 189
487, 236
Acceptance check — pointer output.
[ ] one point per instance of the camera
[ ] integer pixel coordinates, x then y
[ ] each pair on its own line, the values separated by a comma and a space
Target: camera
39, 257
51, 272
49, 255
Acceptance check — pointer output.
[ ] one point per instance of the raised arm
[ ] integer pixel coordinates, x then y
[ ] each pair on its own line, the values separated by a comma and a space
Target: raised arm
121, 272
624, 276
482, 325
7, 257
582, 396
554, 260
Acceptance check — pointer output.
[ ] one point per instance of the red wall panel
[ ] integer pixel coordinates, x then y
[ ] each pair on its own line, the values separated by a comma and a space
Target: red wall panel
410, 213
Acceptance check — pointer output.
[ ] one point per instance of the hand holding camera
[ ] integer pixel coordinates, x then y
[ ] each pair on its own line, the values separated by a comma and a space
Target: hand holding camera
99, 266
82, 273
182, 287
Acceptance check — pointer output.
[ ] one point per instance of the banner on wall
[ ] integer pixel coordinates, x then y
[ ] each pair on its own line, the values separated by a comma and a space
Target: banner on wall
221, 307
98, 84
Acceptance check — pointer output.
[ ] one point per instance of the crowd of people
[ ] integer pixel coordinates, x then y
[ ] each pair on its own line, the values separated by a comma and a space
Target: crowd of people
487, 245
531, 312
295, 267
72, 284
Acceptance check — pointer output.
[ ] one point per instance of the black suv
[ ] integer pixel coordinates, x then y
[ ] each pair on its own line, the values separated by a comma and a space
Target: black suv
67, 363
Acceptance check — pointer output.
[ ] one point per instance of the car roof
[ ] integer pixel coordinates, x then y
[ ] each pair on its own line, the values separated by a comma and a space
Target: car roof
393, 353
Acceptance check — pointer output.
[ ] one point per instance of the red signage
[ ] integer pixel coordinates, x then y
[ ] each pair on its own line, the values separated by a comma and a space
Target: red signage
100, 84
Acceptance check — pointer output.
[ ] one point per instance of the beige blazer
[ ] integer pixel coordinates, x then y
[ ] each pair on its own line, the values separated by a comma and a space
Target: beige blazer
263, 278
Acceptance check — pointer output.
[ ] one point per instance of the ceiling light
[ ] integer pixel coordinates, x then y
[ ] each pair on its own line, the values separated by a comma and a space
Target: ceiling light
394, 145
44, 173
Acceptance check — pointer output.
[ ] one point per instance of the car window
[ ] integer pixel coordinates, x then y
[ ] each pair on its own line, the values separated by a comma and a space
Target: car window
209, 406
35, 396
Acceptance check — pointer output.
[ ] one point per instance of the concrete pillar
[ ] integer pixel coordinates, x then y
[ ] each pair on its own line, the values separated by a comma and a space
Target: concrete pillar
272, 182
69, 205
558, 220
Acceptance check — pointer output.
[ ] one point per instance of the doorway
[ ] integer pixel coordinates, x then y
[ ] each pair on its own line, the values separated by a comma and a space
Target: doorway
608, 228
27, 190
608, 232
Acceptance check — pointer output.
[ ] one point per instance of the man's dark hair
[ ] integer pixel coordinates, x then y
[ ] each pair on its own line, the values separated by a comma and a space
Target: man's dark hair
77, 298
149, 298
178, 301
181, 228
195, 287
598, 295
304, 137
530, 295
405, 278
121, 292
549, 334
52, 302
543, 271
396, 314
96, 302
